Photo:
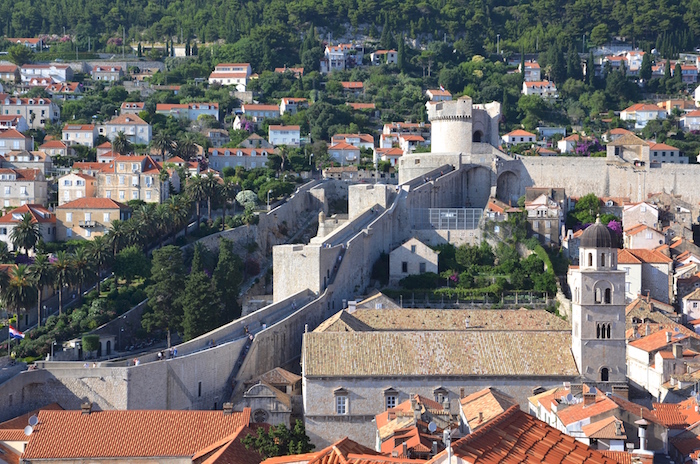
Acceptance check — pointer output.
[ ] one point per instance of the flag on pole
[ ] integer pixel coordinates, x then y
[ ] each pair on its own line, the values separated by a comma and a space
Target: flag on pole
14, 333
442, 88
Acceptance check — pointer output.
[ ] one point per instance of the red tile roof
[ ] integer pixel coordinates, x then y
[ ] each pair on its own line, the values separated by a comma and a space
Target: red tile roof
53, 144
580, 411
93, 203
260, 108
643, 107
622, 457
11, 134
9, 455
661, 146
20, 422
79, 127
22, 174
517, 437
184, 106
677, 416
39, 214
343, 146
658, 340
361, 106
231, 450
133, 433
127, 119
93, 166
520, 133
335, 454
640, 255
279, 128
638, 229
352, 85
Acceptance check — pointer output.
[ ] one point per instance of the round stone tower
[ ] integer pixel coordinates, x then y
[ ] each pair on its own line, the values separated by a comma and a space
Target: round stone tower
451, 125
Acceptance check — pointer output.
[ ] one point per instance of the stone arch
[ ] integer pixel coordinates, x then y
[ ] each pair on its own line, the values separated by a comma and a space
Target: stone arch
477, 136
603, 292
604, 374
508, 187
478, 186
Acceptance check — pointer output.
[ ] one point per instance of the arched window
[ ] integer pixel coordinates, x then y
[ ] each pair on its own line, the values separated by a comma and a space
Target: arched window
608, 331
597, 295
604, 374
602, 260
590, 259
477, 137
608, 296
597, 331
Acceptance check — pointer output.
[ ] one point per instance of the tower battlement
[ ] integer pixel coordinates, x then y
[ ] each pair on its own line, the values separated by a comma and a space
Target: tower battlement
460, 109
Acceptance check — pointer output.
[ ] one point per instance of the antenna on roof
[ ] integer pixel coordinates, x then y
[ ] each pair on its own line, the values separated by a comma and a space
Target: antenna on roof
28, 430
432, 427
34, 420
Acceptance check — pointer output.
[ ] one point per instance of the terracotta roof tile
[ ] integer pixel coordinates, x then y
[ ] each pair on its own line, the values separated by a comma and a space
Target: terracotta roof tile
231, 450
127, 119
480, 407
39, 215
580, 411
520, 133
517, 437
113, 434
621, 457
659, 340
93, 203
327, 455
11, 134
9, 455
20, 422
610, 428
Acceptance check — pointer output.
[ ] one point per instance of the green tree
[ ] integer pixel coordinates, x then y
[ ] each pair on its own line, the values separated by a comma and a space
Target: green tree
100, 255
121, 144
587, 209
82, 268
227, 279
20, 292
63, 276
211, 189
401, 53
130, 263
197, 259
229, 190
599, 35
197, 190
168, 277
42, 276
26, 234
91, 343
246, 198
19, 54
645, 68
280, 441
200, 306
573, 64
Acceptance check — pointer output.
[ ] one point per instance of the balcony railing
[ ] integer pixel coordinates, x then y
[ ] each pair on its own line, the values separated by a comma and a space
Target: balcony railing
87, 224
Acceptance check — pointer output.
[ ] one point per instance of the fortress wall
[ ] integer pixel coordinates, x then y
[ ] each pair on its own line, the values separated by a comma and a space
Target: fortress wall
364, 196
105, 387
581, 176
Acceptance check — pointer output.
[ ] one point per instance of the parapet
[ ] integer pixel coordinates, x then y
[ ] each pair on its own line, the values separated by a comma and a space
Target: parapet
460, 109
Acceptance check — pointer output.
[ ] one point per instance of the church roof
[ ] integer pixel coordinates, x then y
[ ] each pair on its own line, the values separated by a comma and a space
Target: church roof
455, 319
596, 236
461, 353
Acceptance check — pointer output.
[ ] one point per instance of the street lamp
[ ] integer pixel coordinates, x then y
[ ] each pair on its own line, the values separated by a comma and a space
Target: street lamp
268, 199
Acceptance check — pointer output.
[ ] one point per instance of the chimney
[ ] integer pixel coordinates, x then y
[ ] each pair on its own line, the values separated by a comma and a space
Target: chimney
481, 417
618, 428
677, 351
86, 407
588, 399
434, 451
404, 449
668, 337
228, 409
461, 393
642, 424
647, 330
446, 404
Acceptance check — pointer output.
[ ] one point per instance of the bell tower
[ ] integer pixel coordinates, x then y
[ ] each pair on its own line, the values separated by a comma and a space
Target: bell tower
598, 309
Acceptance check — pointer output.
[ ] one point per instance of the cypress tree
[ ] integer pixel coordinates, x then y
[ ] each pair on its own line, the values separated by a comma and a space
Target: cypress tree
194, 49
227, 279
645, 68
200, 306
197, 264
401, 53
590, 69
573, 64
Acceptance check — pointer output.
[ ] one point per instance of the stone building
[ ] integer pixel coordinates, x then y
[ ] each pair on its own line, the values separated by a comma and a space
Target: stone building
441, 355
89, 217
648, 273
412, 257
274, 398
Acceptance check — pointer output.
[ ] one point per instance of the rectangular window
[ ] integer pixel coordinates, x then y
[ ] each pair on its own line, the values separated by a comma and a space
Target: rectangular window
109, 193
105, 218
108, 179
7, 190
627, 286
122, 195
3, 231
23, 191
148, 194
69, 233
122, 180
341, 404
404, 267
421, 268
135, 195
199, 389
88, 232
390, 401
88, 216
413, 248
649, 235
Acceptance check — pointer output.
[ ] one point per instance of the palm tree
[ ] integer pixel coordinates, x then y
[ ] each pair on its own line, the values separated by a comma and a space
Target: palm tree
20, 292
163, 222
211, 188
121, 144
82, 268
229, 189
63, 276
135, 233
197, 191
42, 275
163, 178
117, 235
186, 148
145, 218
162, 143
25, 234
179, 208
100, 255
